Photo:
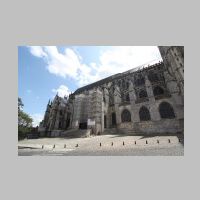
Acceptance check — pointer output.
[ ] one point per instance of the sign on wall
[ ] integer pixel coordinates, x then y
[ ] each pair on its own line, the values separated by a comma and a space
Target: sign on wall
91, 122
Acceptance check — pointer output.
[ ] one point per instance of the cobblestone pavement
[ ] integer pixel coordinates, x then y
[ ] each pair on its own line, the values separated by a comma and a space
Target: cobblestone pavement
103, 145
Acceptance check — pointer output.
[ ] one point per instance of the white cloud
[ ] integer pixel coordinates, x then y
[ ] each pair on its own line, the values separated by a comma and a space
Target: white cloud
37, 118
116, 60
62, 91
37, 51
123, 58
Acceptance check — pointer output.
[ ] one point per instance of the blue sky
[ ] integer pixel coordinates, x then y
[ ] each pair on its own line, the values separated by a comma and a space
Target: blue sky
45, 70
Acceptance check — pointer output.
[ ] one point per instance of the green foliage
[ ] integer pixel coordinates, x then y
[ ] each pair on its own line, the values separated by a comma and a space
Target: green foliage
20, 104
24, 121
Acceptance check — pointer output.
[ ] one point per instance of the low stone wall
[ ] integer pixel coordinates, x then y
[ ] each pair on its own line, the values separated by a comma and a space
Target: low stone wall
128, 125
76, 133
162, 126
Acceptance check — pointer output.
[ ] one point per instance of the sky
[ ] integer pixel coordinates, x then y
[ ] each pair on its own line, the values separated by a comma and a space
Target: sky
44, 71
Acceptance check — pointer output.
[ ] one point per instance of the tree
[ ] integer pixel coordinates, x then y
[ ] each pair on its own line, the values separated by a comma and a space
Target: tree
20, 104
24, 120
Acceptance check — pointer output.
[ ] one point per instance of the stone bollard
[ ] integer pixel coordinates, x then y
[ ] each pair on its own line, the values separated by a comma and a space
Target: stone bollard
112, 144
146, 142
54, 146
76, 145
169, 141
123, 143
64, 145
42, 146
158, 141
100, 144
135, 142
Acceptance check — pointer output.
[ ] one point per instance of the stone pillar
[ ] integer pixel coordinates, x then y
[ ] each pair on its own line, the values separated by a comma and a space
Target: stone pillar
155, 116
116, 105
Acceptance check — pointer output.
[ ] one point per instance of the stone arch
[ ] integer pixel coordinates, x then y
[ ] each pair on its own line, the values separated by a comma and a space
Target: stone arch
126, 116
166, 111
144, 114
158, 91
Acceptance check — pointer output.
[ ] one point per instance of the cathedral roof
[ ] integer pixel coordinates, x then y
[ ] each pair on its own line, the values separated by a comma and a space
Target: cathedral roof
116, 76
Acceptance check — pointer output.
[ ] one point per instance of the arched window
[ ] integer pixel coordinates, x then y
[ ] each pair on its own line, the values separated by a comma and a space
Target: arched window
140, 81
60, 125
127, 97
153, 77
127, 85
142, 94
166, 111
126, 116
144, 114
158, 91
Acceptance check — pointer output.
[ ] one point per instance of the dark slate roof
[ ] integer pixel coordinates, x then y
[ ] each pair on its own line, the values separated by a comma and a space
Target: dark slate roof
116, 76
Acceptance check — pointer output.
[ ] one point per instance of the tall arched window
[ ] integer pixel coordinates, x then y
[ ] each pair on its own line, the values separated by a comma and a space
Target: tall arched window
144, 114
126, 116
166, 111
127, 97
158, 91
142, 94
127, 85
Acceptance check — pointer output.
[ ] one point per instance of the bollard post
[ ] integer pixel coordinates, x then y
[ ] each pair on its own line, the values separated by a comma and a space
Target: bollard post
158, 141
65, 146
135, 142
42, 146
169, 141
112, 144
54, 146
100, 144
123, 143
146, 142
76, 145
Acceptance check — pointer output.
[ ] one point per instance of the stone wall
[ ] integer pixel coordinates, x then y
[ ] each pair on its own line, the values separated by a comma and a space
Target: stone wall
162, 126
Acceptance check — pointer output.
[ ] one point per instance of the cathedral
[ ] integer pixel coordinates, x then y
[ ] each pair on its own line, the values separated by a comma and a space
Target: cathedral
143, 100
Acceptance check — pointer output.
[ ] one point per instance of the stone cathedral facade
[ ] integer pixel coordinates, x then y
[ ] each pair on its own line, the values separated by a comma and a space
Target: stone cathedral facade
144, 100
